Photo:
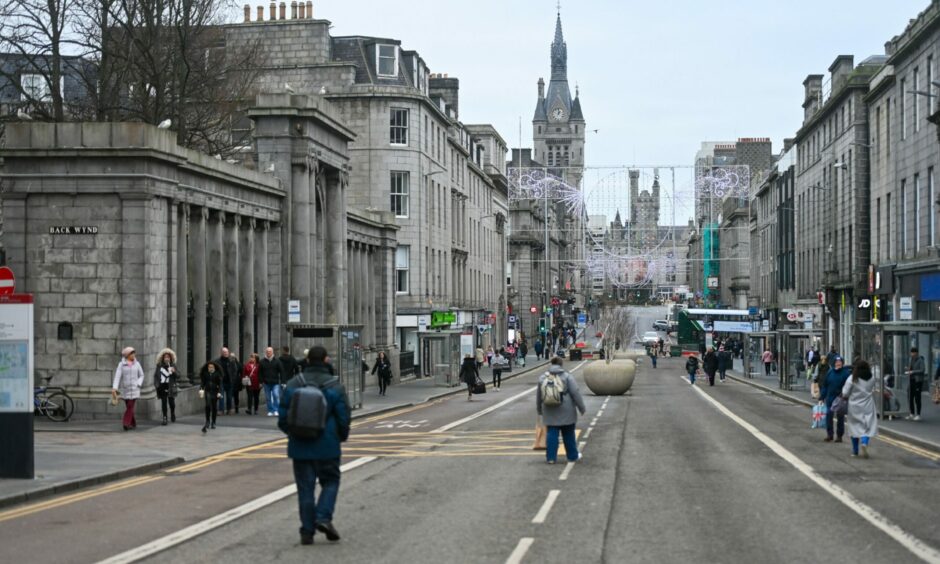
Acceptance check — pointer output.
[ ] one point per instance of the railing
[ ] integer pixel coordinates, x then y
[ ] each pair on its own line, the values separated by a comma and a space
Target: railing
406, 362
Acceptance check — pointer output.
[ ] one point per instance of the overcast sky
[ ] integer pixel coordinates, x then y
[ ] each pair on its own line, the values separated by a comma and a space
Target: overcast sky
657, 77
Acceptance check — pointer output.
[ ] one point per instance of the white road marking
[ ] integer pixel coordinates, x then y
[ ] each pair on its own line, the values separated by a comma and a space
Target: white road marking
490, 409
546, 507
916, 546
593, 421
519, 553
581, 445
193, 531
601, 412
588, 432
566, 471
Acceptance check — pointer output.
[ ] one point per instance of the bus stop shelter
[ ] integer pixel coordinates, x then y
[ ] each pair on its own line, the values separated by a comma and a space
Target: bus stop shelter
792, 345
886, 346
342, 344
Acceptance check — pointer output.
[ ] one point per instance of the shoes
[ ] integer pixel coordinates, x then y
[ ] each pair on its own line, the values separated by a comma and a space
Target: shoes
172, 417
578, 459
164, 421
204, 428
550, 462
827, 440
838, 440
213, 426
126, 428
305, 537
276, 414
917, 418
270, 414
854, 455
864, 451
328, 529
256, 412
910, 417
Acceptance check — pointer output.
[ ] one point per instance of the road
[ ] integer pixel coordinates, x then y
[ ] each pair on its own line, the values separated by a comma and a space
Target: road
671, 473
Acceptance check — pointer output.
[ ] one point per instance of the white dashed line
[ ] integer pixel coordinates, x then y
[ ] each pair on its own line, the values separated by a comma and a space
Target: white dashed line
519, 553
593, 421
588, 432
566, 471
546, 507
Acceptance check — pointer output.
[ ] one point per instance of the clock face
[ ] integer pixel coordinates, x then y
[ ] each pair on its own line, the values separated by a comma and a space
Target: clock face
558, 114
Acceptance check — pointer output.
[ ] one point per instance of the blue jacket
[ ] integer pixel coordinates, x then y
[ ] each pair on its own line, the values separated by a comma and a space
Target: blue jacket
831, 386
327, 446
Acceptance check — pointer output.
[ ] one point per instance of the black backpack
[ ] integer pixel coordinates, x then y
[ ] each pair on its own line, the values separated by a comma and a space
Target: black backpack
308, 411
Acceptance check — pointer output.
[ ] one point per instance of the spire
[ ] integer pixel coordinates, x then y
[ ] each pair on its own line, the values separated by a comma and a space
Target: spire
559, 52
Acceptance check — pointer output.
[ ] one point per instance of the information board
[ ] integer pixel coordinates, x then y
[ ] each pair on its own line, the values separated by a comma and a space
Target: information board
733, 326
16, 356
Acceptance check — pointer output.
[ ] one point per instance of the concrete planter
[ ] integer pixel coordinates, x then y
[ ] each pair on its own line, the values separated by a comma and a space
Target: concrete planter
627, 355
610, 379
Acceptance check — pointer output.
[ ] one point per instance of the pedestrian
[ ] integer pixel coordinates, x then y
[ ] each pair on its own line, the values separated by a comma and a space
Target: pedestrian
652, 352
523, 352
538, 349
230, 377
210, 388
251, 381
166, 382
317, 460
917, 372
724, 362
829, 390
469, 374
479, 357
384, 369
662, 346
710, 365
691, 367
128, 378
561, 418
821, 370
270, 369
767, 357
831, 356
489, 355
861, 422
499, 361
289, 367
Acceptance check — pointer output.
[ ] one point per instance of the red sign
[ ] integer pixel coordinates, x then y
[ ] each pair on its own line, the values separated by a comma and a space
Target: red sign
533, 309
7, 281
16, 298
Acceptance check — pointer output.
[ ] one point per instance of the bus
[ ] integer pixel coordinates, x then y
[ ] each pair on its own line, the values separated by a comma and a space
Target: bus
696, 326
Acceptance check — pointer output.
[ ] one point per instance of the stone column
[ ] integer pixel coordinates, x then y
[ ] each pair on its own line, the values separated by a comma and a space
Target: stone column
217, 284
368, 295
199, 290
354, 288
248, 288
336, 303
316, 257
232, 286
300, 270
182, 291
264, 288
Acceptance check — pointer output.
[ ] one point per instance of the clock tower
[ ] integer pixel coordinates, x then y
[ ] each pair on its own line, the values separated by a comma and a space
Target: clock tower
558, 125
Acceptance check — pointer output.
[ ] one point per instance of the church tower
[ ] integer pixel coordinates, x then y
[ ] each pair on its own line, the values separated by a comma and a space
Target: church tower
558, 124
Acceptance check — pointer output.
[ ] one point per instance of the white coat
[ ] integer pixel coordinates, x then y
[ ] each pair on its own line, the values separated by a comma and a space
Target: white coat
861, 420
128, 379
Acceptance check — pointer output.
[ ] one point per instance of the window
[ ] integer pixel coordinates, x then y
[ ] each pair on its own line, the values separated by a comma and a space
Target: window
386, 62
878, 230
35, 88
903, 222
398, 132
903, 112
930, 85
888, 128
916, 100
931, 202
399, 191
402, 264
916, 211
888, 226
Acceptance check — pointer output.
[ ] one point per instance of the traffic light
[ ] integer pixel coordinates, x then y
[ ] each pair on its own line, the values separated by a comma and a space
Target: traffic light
542, 326
571, 301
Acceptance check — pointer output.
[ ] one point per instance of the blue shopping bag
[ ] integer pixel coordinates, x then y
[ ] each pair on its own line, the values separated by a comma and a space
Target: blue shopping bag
819, 416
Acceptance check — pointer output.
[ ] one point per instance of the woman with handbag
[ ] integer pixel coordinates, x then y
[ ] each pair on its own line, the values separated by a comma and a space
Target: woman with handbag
252, 383
210, 390
469, 374
829, 390
166, 381
862, 421
128, 378
384, 369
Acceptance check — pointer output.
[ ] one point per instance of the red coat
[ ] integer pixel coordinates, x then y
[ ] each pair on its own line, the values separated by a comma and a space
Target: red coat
251, 371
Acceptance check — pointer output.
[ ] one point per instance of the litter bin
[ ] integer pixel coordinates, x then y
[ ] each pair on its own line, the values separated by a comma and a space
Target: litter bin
574, 354
675, 350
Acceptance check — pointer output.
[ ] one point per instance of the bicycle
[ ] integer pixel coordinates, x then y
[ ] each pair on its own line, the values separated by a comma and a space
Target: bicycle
53, 402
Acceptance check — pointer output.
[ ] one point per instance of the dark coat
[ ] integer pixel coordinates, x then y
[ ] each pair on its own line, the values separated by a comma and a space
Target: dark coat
210, 383
289, 367
169, 389
832, 384
691, 365
270, 371
724, 360
710, 362
231, 373
383, 367
327, 446
468, 371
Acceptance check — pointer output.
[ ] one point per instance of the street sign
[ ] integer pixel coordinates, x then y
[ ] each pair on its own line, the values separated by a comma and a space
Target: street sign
906, 308
512, 320
753, 311
582, 319
293, 311
533, 309
7, 281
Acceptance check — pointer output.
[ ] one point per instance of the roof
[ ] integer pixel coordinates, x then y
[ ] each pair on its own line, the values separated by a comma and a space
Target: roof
576, 110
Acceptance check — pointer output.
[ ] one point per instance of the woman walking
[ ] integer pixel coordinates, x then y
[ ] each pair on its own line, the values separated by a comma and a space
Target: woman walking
251, 381
469, 374
128, 378
560, 418
498, 362
166, 381
829, 390
384, 369
210, 388
861, 421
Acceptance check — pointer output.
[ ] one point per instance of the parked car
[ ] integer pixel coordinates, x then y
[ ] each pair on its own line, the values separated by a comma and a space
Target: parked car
660, 325
650, 338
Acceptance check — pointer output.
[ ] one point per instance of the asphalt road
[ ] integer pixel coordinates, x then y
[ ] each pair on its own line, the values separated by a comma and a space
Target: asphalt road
671, 473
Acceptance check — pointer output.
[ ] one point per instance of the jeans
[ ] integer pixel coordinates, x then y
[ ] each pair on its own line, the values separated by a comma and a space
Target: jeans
767, 368
913, 396
272, 396
855, 441
692, 376
306, 474
721, 374
653, 358
551, 442
225, 402
840, 424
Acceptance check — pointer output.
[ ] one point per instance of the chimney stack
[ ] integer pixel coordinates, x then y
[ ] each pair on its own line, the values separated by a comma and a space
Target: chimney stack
283, 13
840, 70
260, 17
310, 10
273, 11
812, 99
247, 13
293, 10
302, 10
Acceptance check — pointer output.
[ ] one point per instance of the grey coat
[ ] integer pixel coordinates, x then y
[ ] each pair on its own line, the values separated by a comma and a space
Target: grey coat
571, 401
860, 420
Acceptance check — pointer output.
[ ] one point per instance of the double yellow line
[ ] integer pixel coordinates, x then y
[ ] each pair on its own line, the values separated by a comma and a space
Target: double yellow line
929, 454
59, 502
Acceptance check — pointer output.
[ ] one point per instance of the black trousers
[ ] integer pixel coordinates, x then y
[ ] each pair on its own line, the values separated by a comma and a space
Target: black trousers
913, 396
383, 384
254, 399
212, 409
167, 399
497, 377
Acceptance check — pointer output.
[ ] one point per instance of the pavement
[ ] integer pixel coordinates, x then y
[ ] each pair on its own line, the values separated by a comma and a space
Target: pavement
925, 433
82, 453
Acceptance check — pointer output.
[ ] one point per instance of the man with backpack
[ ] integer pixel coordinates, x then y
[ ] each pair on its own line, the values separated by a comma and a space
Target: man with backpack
558, 401
314, 412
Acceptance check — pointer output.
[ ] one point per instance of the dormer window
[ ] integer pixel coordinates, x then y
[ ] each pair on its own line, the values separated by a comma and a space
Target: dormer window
386, 60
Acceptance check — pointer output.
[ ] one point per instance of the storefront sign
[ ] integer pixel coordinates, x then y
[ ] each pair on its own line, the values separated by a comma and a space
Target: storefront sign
865, 303
441, 318
712, 282
733, 326
906, 309
423, 322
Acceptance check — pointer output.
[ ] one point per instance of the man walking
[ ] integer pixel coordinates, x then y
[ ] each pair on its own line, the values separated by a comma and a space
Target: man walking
710, 365
289, 365
724, 362
560, 412
538, 349
230, 378
317, 460
917, 371
270, 372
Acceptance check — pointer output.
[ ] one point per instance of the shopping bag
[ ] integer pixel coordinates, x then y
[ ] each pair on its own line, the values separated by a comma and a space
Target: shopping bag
819, 416
540, 434
479, 387
814, 390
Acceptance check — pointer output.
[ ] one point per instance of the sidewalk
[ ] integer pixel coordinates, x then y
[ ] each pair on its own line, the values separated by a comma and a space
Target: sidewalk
924, 433
79, 454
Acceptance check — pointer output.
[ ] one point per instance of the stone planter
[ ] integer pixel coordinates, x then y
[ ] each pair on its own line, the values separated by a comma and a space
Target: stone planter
627, 355
610, 379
